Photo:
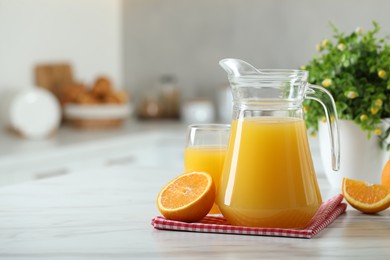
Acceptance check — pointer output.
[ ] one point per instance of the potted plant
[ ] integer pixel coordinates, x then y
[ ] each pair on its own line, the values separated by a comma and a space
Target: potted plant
355, 69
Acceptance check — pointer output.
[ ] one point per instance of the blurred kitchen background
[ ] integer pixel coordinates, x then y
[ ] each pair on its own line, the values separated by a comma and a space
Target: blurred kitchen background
146, 60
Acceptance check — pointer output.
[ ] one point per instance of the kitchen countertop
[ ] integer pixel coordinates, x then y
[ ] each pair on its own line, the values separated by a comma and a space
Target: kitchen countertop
102, 204
23, 160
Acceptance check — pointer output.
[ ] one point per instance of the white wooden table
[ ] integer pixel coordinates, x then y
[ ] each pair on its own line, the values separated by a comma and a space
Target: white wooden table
102, 209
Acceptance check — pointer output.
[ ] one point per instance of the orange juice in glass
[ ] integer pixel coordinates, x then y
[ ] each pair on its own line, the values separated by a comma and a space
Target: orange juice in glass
206, 150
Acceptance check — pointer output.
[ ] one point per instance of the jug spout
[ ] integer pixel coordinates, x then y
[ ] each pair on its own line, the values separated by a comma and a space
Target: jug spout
238, 68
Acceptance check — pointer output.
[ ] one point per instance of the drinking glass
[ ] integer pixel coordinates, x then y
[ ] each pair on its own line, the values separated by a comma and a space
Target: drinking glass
205, 151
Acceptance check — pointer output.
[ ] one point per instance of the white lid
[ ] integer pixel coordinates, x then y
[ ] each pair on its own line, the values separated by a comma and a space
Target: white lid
35, 113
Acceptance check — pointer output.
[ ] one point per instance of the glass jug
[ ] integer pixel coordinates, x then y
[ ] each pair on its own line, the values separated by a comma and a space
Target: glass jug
268, 178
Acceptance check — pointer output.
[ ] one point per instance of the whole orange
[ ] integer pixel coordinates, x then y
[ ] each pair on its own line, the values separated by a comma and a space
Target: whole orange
386, 174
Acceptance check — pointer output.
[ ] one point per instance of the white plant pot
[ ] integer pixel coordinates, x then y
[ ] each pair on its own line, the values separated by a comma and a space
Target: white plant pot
360, 158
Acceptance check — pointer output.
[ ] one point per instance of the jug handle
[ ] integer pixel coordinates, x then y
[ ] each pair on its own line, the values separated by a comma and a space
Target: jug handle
324, 97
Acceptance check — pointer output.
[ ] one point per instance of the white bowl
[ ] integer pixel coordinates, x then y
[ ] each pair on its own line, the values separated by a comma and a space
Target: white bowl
97, 112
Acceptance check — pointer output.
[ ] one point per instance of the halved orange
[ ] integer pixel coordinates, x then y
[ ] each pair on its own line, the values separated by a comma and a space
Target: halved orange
188, 197
368, 198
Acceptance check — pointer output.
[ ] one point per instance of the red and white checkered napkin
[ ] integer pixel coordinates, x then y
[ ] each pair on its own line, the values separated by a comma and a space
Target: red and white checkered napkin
325, 215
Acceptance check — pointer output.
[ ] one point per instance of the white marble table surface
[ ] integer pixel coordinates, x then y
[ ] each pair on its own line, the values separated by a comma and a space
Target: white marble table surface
102, 209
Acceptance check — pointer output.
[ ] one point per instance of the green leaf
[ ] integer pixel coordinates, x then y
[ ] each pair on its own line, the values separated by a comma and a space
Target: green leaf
353, 68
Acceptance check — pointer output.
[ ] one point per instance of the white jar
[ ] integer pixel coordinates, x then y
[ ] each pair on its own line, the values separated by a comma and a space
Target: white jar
33, 112
198, 111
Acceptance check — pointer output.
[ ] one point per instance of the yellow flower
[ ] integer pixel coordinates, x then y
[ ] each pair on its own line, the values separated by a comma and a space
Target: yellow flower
324, 43
341, 46
323, 119
359, 30
363, 117
326, 82
318, 47
303, 67
377, 131
352, 94
305, 109
382, 74
374, 110
379, 102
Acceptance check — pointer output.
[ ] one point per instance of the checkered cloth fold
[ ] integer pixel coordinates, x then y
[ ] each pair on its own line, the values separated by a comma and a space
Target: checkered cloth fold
324, 216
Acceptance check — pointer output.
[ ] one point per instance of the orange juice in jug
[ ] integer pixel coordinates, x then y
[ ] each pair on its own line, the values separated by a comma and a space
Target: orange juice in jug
268, 178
